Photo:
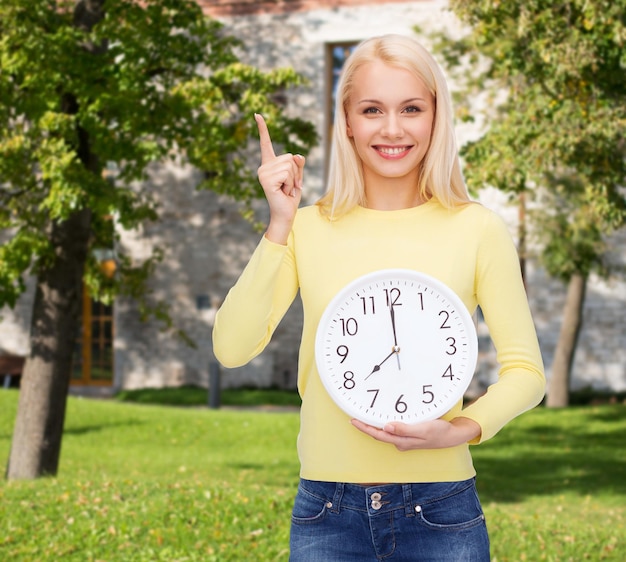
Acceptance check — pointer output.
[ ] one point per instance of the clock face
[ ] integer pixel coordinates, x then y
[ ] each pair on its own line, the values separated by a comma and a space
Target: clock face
396, 345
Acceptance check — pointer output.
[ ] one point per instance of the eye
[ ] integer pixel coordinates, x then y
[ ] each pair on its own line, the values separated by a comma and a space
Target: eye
371, 110
412, 109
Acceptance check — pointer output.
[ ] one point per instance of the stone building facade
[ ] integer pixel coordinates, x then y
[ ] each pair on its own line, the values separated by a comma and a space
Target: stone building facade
207, 243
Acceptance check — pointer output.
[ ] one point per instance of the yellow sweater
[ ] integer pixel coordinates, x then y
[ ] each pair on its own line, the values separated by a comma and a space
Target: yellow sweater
469, 249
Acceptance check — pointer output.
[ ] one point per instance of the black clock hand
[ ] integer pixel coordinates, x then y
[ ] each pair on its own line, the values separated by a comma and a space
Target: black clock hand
393, 325
395, 337
377, 367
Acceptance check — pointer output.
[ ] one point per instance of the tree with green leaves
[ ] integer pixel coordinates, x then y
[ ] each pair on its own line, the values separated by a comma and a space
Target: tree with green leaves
91, 84
552, 76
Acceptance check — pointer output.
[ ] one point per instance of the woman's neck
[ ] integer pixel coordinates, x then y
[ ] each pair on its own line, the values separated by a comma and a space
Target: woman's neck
392, 196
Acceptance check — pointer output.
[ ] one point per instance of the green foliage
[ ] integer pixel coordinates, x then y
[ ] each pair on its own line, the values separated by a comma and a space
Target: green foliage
552, 77
139, 82
144, 483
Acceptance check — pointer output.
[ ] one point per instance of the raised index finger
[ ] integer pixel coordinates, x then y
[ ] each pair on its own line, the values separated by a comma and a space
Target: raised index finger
267, 150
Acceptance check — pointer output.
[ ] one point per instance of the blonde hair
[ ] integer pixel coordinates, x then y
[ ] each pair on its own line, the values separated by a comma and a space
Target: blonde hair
440, 171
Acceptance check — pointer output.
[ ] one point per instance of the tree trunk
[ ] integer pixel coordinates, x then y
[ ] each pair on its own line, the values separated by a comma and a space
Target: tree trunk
558, 391
36, 445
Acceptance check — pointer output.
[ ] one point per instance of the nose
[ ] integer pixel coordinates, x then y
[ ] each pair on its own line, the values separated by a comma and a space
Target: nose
392, 127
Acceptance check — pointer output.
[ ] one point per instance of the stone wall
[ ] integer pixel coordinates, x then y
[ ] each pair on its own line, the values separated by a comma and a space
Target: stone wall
206, 242
15, 324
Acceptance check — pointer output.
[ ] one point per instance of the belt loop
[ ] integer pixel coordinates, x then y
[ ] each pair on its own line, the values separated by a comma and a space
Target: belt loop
339, 488
407, 494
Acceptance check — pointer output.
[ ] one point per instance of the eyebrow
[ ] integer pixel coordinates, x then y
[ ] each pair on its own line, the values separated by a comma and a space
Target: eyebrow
410, 100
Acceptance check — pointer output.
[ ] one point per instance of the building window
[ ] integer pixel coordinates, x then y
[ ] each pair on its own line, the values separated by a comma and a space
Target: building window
336, 55
92, 363
93, 353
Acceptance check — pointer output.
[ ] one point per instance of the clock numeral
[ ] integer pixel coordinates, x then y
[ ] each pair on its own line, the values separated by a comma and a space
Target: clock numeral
452, 344
375, 391
348, 380
349, 326
368, 304
444, 324
428, 393
392, 296
342, 351
401, 406
421, 300
448, 373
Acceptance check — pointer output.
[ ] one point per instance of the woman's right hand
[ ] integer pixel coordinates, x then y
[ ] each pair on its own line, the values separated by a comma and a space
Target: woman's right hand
281, 179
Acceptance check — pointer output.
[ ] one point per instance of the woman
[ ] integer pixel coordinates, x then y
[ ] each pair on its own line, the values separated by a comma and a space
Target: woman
396, 199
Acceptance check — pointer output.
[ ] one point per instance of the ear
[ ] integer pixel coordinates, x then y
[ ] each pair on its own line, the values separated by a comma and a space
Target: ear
348, 128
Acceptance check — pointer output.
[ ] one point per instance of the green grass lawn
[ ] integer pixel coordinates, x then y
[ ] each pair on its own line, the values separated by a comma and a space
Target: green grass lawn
156, 483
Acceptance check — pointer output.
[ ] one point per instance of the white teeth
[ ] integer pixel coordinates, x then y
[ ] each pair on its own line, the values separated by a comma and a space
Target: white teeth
392, 150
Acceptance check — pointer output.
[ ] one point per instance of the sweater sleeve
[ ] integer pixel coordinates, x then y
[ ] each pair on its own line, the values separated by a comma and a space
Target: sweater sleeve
245, 322
502, 297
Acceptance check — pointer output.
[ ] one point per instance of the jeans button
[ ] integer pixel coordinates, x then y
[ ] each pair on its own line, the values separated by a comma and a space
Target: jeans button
376, 497
376, 504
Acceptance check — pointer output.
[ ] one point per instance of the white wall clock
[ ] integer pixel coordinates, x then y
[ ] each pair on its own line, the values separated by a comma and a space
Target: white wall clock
396, 345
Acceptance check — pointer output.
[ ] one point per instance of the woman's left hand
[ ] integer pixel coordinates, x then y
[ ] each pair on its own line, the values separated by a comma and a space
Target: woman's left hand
436, 434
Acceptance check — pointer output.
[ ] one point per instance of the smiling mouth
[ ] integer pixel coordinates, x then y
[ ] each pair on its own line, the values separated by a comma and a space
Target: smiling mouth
392, 150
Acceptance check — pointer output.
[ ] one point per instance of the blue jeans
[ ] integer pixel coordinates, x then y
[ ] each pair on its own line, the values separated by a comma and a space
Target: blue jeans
337, 522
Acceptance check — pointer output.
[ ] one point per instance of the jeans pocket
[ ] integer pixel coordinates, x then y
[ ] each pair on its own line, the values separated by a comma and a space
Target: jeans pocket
457, 511
308, 508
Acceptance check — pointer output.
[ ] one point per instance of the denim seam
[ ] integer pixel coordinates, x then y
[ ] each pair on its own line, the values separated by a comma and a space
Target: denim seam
450, 495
